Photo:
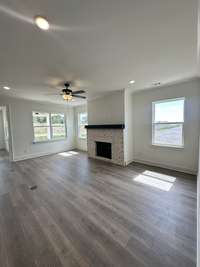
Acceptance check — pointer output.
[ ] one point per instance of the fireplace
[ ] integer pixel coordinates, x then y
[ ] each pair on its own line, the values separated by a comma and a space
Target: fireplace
106, 142
104, 150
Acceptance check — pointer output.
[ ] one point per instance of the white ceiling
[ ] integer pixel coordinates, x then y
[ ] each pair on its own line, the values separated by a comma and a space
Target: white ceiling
99, 44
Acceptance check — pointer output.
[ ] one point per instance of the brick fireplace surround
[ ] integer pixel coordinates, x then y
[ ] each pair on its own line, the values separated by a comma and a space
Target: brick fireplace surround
113, 134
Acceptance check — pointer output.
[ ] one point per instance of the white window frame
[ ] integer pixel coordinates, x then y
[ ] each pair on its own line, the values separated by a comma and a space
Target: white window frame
78, 128
50, 127
158, 123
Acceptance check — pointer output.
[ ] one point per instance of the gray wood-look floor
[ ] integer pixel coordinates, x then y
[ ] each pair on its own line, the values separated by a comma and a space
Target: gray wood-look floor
89, 213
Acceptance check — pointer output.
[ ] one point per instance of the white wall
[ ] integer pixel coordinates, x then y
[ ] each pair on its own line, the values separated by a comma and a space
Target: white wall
185, 159
198, 214
107, 110
22, 128
80, 143
198, 178
115, 108
128, 131
2, 141
6, 128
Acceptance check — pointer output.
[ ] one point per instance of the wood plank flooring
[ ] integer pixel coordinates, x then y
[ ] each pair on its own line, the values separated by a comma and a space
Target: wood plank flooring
90, 213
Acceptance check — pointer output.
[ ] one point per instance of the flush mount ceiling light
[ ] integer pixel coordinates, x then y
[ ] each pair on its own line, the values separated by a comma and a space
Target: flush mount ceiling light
132, 82
42, 23
6, 88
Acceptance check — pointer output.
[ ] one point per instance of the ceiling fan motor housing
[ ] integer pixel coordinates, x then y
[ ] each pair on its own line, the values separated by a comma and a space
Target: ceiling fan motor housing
67, 91
67, 84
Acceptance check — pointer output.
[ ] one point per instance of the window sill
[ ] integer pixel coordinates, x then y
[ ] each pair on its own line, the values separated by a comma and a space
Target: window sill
167, 146
49, 141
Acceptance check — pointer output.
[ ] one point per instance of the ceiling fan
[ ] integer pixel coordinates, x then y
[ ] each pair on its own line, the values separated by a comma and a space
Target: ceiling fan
67, 94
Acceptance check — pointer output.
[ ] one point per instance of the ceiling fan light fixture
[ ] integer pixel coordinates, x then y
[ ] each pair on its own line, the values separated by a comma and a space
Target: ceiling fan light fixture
67, 97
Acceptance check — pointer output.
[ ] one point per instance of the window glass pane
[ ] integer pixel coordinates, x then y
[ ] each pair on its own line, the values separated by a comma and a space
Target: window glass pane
58, 132
82, 131
169, 111
83, 118
41, 134
57, 119
168, 134
40, 119
82, 121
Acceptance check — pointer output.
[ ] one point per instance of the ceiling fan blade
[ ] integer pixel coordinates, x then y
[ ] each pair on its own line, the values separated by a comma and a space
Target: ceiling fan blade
78, 92
79, 96
53, 94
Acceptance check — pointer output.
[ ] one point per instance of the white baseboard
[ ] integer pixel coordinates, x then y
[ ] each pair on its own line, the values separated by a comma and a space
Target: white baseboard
128, 162
79, 149
189, 171
37, 155
174, 168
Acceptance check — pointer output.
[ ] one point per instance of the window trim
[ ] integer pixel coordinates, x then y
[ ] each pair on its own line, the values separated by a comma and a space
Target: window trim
50, 128
78, 135
158, 123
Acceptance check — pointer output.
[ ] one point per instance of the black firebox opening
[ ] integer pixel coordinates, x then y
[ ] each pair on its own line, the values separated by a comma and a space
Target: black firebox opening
104, 149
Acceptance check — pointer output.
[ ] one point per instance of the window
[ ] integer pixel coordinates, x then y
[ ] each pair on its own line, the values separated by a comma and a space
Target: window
82, 121
48, 126
58, 125
41, 125
167, 122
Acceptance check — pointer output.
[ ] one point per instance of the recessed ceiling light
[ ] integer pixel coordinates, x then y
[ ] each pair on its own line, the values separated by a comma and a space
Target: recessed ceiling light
42, 23
132, 82
6, 88
157, 83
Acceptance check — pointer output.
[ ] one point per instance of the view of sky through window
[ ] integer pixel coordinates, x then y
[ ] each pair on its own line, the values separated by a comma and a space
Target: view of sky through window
169, 111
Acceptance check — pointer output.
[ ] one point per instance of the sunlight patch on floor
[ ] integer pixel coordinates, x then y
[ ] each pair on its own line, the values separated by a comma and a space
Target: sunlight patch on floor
68, 153
155, 179
73, 152
160, 176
